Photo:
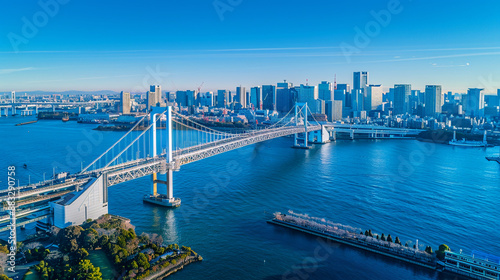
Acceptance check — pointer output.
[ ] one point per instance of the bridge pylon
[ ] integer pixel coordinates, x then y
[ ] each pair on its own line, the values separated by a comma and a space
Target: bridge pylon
301, 143
162, 196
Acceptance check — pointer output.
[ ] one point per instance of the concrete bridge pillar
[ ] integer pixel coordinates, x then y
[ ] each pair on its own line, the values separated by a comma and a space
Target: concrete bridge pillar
163, 196
352, 134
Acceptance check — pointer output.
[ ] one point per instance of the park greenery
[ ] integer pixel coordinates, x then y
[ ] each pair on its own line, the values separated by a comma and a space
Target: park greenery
132, 256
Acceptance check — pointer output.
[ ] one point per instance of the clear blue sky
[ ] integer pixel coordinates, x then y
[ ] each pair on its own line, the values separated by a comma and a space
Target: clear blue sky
116, 45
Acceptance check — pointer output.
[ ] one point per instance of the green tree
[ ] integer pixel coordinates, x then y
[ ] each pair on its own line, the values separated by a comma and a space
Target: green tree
440, 254
4, 277
428, 249
82, 253
389, 238
86, 271
397, 241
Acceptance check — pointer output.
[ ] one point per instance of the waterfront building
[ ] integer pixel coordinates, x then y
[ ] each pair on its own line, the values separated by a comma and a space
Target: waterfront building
333, 110
269, 97
125, 102
402, 94
325, 91
433, 100
474, 105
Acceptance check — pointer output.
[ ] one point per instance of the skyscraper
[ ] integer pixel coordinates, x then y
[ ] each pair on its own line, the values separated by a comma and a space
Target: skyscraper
125, 102
222, 98
333, 110
475, 102
157, 90
433, 100
308, 94
360, 80
269, 97
241, 96
256, 98
325, 91
286, 96
402, 94
373, 97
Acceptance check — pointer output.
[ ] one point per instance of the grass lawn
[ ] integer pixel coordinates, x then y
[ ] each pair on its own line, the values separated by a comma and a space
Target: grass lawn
99, 259
31, 275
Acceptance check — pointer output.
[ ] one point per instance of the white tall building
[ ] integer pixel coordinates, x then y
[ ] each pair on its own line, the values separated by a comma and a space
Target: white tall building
373, 98
475, 102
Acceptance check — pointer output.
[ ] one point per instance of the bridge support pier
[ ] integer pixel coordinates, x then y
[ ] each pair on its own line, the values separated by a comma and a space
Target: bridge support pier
163, 196
304, 145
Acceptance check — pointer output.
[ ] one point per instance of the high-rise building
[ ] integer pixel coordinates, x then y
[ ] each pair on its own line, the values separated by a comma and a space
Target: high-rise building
333, 110
286, 96
207, 99
339, 94
269, 97
157, 90
256, 98
360, 80
222, 98
125, 102
433, 100
402, 94
475, 102
308, 94
241, 96
373, 98
325, 91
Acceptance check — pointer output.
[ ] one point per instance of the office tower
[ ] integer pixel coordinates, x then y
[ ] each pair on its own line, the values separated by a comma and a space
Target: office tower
256, 98
286, 96
402, 99
222, 98
339, 94
373, 97
433, 100
498, 97
207, 99
360, 80
125, 102
325, 91
357, 99
269, 97
13, 97
181, 98
192, 96
475, 102
333, 110
150, 100
345, 87
241, 96
308, 94
157, 90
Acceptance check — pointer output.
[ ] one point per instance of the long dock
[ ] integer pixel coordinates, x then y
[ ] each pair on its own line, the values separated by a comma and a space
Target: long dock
25, 123
358, 244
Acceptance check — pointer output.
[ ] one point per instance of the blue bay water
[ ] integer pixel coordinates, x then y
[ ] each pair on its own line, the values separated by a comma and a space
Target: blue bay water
434, 193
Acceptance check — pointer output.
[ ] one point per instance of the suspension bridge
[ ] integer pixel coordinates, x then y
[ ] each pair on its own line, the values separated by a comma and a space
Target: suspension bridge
167, 141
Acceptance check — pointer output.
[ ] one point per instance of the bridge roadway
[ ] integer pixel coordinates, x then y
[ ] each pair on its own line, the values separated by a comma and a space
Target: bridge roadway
143, 167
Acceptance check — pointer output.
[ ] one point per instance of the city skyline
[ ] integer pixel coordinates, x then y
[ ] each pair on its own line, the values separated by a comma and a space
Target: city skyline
65, 51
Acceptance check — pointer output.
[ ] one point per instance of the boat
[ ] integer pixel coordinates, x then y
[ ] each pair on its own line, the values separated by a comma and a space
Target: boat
468, 143
65, 118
